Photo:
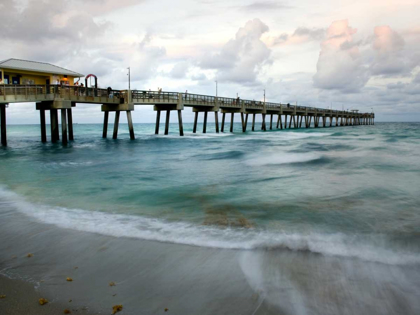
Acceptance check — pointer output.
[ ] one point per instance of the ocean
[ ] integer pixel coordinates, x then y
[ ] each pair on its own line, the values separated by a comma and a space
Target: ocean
343, 199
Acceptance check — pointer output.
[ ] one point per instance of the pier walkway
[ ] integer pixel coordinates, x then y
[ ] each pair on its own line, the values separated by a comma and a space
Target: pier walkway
64, 98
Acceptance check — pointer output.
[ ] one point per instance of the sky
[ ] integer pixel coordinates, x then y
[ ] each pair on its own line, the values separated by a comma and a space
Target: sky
346, 54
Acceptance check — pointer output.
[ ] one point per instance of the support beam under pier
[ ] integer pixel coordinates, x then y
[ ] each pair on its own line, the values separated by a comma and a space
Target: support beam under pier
64, 126
223, 121
205, 122
181, 126
55, 134
157, 122
3, 125
243, 122
216, 121
253, 122
43, 126
231, 121
168, 116
116, 123
70, 123
105, 131
195, 123
130, 125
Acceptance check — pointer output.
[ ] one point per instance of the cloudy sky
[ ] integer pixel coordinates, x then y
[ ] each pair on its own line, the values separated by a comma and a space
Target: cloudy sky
349, 54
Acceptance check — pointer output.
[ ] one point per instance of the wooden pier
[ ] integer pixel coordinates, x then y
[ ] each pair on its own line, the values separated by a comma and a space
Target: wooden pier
56, 98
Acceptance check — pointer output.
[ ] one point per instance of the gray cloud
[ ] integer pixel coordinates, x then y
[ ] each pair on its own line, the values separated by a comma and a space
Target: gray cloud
300, 35
241, 59
264, 5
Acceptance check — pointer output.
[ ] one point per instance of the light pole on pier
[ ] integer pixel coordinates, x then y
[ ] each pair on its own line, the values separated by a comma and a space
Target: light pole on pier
264, 95
129, 78
216, 87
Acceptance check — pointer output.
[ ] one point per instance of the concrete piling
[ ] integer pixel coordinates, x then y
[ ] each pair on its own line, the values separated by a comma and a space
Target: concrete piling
55, 135
43, 126
243, 122
64, 138
168, 116
231, 121
205, 122
223, 121
181, 126
216, 121
246, 122
253, 122
130, 125
195, 122
3, 125
70, 123
116, 123
157, 122
263, 127
105, 131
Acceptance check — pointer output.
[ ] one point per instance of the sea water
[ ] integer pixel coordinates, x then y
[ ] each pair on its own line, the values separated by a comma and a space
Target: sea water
348, 193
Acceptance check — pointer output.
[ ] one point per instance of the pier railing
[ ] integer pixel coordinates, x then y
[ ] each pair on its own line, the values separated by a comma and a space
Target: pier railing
52, 92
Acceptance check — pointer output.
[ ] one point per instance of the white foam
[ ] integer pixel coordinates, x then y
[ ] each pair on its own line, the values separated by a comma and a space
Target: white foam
280, 158
132, 226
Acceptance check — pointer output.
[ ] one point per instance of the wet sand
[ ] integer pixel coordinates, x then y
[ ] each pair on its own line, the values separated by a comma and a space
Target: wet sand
149, 277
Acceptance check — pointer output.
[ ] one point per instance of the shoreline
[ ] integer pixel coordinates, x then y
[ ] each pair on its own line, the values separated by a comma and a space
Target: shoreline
149, 276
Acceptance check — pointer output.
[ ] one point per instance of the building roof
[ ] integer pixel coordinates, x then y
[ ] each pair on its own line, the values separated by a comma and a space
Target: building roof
26, 65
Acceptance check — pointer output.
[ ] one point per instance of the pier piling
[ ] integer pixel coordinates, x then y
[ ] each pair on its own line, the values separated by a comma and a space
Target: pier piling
271, 122
243, 122
205, 122
55, 136
253, 122
70, 123
246, 122
181, 126
3, 124
216, 121
157, 122
223, 121
64, 126
43, 126
105, 131
116, 123
130, 125
285, 121
231, 121
168, 116
195, 123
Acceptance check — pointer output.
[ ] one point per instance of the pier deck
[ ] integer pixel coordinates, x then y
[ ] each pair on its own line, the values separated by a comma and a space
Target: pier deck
64, 98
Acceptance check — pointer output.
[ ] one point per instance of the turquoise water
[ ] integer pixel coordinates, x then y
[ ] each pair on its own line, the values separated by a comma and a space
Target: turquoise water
342, 191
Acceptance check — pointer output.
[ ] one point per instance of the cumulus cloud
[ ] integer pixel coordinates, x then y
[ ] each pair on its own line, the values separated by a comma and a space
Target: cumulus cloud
300, 35
390, 58
340, 64
241, 59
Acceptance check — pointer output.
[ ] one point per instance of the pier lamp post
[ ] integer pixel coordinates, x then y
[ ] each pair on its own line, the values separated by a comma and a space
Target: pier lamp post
129, 78
264, 95
216, 87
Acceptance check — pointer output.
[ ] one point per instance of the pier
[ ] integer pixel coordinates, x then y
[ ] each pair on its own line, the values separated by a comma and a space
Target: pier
55, 98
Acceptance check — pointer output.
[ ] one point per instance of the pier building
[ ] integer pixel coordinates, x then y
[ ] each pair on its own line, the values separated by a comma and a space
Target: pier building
64, 97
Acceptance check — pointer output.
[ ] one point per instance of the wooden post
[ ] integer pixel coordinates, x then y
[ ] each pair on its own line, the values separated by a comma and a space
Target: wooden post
116, 122
253, 122
271, 122
130, 125
243, 122
157, 122
43, 127
231, 121
285, 121
223, 121
70, 123
216, 121
3, 125
105, 131
195, 122
181, 126
205, 122
168, 116
64, 125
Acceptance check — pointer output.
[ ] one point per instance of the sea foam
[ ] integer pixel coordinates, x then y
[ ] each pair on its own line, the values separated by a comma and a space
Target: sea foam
138, 227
